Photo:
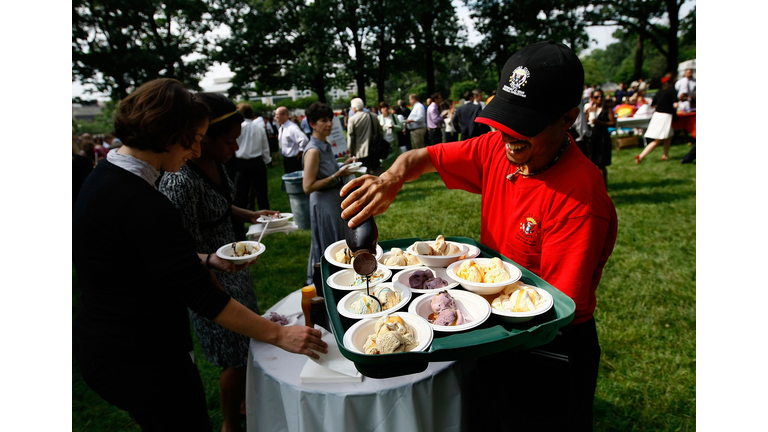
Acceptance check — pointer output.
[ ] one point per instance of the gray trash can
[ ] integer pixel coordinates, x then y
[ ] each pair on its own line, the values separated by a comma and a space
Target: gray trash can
292, 183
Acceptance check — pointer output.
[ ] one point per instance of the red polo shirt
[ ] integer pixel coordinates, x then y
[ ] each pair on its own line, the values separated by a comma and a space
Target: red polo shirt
560, 224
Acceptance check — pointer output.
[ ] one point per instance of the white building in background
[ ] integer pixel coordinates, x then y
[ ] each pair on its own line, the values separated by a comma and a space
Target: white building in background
222, 84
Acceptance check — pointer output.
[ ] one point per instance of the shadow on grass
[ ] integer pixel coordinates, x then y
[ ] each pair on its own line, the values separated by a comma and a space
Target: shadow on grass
622, 186
648, 198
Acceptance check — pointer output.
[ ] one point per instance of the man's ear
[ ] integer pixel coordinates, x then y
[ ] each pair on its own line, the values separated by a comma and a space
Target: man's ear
569, 118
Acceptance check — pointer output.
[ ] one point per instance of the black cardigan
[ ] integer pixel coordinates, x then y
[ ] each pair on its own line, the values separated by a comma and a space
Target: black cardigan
138, 270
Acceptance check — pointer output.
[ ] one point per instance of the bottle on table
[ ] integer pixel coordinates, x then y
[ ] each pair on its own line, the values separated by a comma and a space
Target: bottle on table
319, 314
307, 293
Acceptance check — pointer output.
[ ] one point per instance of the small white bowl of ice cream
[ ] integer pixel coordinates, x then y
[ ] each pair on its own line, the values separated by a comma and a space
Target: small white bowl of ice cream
348, 280
339, 254
241, 252
359, 305
518, 303
451, 311
437, 253
275, 220
398, 259
484, 276
393, 333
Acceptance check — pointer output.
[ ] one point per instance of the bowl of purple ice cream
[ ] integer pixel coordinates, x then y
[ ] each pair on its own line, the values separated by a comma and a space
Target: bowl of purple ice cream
424, 280
451, 311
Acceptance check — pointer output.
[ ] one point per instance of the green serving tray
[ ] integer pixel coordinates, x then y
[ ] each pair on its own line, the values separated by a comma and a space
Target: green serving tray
491, 337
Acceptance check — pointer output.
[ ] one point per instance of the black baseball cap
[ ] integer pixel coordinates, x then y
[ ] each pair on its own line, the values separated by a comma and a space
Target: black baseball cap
538, 84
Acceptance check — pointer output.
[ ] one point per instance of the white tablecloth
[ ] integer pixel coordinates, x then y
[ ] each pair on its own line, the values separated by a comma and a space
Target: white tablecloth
277, 400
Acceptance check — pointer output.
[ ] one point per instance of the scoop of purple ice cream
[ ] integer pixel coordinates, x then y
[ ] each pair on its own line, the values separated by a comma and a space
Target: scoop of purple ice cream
417, 278
441, 301
280, 319
446, 317
435, 283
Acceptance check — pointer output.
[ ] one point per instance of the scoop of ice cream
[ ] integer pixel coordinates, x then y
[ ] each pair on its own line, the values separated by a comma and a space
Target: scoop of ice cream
392, 334
452, 249
513, 287
277, 318
445, 317
388, 297
498, 274
412, 260
369, 347
396, 260
389, 342
435, 283
439, 246
496, 263
469, 270
243, 249
344, 256
364, 305
396, 251
422, 248
524, 299
442, 300
417, 278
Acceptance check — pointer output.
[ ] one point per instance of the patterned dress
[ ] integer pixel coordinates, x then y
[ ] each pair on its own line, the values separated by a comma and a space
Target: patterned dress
205, 209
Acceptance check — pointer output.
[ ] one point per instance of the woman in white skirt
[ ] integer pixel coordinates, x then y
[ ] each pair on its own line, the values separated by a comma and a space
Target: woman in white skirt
660, 127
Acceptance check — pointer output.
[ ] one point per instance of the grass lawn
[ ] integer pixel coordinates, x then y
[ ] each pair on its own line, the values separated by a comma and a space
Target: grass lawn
646, 311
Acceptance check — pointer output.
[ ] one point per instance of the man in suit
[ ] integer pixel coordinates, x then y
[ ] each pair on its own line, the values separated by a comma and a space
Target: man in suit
464, 118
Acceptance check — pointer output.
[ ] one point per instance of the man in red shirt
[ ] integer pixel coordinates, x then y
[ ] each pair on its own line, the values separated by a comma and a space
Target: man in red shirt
544, 205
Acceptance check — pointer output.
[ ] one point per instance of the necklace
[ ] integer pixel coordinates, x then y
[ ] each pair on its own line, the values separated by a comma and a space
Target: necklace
519, 170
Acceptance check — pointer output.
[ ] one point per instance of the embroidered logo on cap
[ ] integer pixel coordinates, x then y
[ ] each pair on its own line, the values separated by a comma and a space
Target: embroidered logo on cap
517, 80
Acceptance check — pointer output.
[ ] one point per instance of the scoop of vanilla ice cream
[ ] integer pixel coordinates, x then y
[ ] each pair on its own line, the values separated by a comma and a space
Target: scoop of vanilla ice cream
495, 275
513, 287
422, 248
396, 251
388, 297
452, 249
344, 256
439, 245
524, 299
471, 271
396, 260
496, 263
412, 260
364, 305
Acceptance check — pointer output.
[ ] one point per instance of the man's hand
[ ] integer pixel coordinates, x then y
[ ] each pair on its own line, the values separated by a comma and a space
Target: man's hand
301, 340
372, 198
255, 215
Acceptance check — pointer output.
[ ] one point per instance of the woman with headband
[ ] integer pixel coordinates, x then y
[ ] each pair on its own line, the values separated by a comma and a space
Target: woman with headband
131, 338
203, 194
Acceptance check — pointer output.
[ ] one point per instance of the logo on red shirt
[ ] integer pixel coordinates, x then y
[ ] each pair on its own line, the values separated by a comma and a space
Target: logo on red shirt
529, 230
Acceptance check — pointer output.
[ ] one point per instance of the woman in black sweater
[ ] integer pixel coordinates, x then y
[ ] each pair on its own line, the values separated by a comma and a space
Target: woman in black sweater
131, 338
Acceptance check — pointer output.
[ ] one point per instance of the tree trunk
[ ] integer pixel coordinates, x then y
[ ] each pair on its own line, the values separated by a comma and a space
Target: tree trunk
320, 86
639, 57
359, 66
673, 10
382, 77
428, 53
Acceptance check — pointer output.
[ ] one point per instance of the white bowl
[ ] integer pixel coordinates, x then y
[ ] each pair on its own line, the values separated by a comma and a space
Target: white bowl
468, 303
225, 252
354, 165
343, 280
343, 306
439, 260
274, 223
292, 321
355, 337
521, 317
485, 288
401, 280
330, 253
386, 256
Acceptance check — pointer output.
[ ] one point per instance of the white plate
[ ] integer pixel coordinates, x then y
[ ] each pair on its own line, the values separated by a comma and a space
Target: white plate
225, 252
466, 302
330, 253
520, 317
438, 260
354, 165
343, 306
355, 337
343, 280
386, 255
473, 251
485, 288
274, 223
292, 321
401, 280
